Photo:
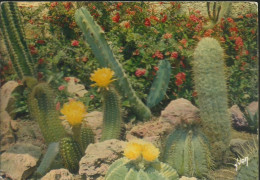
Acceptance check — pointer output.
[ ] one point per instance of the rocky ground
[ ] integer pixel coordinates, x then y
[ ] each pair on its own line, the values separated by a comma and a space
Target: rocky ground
22, 144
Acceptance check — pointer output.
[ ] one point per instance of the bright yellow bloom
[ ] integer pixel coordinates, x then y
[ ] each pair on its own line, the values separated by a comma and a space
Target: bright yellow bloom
74, 112
137, 148
150, 152
102, 77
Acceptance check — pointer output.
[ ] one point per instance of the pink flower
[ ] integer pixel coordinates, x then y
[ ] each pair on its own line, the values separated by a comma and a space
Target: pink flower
58, 106
140, 72
147, 22
61, 88
239, 42
67, 79
174, 55
194, 18
155, 68
75, 43
92, 96
184, 42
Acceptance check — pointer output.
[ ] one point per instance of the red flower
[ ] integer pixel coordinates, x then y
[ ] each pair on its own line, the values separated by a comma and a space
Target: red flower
194, 94
67, 5
67, 79
249, 15
158, 54
178, 82
140, 72
230, 20
240, 17
180, 77
147, 22
222, 39
155, 68
182, 64
184, 42
116, 18
233, 29
127, 25
31, 21
84, 59
58, 106
119, 4
41, 61
239, 42
154, 18
194, 18
75, 43
167, 36
164, 18
54, 4
246, 52
208, 33
174, 55
92, 96
40, 41
253, 31
61, 88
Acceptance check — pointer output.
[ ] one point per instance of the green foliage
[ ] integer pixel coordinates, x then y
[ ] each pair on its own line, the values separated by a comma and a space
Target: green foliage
160, 84
96, 40
187, 151
127, 170
112, 117
43, 109
210, 83
70, 154
12, 29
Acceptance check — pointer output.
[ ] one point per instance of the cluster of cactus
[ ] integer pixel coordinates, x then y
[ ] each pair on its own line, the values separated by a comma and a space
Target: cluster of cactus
218, 11
143, 167
95, 38
160, 84
210, 84
187, 151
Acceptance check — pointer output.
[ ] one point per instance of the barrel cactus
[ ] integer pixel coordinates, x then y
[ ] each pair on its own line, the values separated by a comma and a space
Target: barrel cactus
210, 84
140, 162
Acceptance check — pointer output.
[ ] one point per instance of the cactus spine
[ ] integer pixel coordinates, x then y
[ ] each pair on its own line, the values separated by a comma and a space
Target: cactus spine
125, 169
42, 109
70, 154
112, 115
160, 84
95, 38
13, 31
187, 151
210, 83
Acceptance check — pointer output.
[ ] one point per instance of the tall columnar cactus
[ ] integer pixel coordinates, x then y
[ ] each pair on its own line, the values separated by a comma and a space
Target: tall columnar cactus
70, 154
43, 109
140, 163
86, 137
96, 39
12, 30
187, 151
160, 84
210, 84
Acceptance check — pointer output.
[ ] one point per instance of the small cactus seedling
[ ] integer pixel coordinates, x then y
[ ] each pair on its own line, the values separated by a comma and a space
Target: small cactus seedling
187, 151
140, 162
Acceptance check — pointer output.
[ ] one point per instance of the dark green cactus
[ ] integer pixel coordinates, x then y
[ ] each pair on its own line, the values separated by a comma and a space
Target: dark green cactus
86, 137
160, 84
70, 154
187, 151
112, 118
43, 109
96, 39
125, 169
210, 84
11, 28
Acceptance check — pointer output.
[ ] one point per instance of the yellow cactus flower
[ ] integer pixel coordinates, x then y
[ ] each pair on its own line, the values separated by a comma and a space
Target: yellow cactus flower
102, 77
150, 152
74, 112
137, 148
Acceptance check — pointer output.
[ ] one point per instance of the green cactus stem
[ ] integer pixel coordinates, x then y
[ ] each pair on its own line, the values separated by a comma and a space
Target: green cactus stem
70, 153
125, 169
86, 137
210, 84
160, 84
96, 39
42, 108
12, 30
112, 118
187, 151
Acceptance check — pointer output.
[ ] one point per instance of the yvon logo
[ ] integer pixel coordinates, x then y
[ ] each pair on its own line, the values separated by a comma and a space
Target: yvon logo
241, 161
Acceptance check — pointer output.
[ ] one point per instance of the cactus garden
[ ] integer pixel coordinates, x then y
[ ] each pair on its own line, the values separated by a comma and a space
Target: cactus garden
129, 90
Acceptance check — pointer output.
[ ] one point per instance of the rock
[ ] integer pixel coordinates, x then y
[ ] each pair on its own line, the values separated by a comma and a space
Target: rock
19, 162
75, 88
188, 178
5, 93
238, 119
99, 156
253, 107
95, 121
180, 111
152, 131
59, 174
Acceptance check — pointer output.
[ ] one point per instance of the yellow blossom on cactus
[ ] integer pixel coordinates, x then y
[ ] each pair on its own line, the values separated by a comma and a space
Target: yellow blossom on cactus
133, 150
102, 77
74, 112
150, 152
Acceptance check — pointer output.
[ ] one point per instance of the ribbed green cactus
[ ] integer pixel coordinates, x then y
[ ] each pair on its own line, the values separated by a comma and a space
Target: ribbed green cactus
112, 118
86, 137
125, 169
210, 84
160, 84
43, 109
96, 39
187, 151
70, 154
11, 28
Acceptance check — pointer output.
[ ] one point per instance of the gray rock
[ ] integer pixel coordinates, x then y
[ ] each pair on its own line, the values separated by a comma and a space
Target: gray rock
99, 156
95, 121
59, 174
5, 93
238, 119
19, 162
188, 178
180, 111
